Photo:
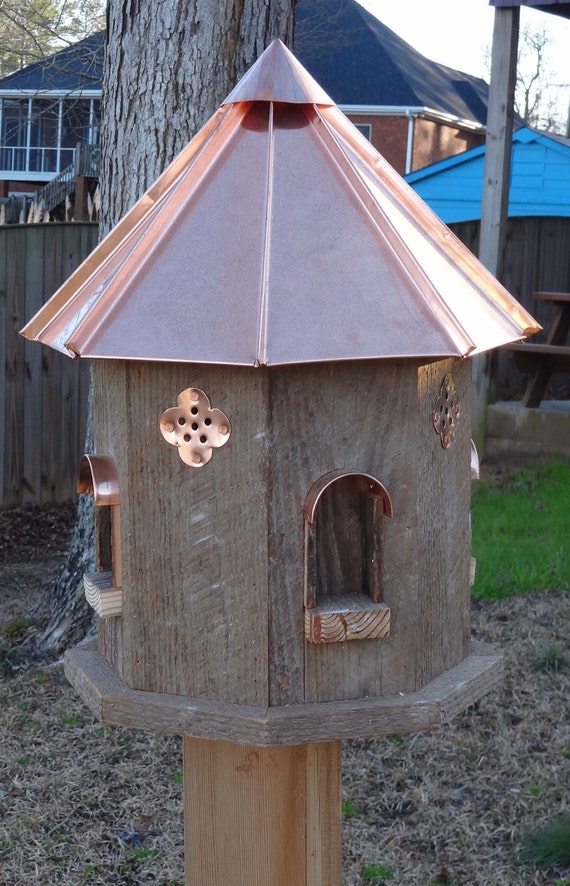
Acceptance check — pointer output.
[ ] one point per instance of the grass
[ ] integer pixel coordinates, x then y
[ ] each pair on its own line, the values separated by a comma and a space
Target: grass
521, 531
349, 808
444, 878
376, 874
521, 542
16, 628
548, 847
548, 658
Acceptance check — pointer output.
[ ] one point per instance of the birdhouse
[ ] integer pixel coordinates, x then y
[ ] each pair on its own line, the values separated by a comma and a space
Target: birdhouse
280, 333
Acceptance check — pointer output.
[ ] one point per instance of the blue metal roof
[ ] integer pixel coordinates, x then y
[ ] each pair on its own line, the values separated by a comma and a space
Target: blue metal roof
360, 61
74, 69
539, 185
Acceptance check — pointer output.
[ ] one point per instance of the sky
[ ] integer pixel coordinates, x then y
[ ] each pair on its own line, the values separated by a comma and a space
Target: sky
456, 33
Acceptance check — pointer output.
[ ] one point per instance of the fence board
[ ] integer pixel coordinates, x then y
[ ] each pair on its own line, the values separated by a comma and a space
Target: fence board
53, 368
3, 337
43, 395
30, 244
14, 380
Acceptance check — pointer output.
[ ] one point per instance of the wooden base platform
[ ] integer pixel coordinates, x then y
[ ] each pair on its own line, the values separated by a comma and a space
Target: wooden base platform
114, 702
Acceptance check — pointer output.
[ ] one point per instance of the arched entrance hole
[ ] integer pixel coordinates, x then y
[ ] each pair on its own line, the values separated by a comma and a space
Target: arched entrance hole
344, 514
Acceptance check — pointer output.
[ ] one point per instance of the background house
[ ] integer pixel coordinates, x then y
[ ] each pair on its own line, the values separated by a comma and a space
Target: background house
414, 111
539, 181
47, 109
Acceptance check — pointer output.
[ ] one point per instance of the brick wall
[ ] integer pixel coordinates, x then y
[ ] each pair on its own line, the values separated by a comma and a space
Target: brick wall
432, 141
389, 137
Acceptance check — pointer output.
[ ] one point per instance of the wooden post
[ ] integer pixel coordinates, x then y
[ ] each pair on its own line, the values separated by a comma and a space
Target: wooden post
80, 207
495, 203
262, 816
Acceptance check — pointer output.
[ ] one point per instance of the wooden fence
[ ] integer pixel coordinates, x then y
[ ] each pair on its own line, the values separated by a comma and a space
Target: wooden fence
43, 395
537, 257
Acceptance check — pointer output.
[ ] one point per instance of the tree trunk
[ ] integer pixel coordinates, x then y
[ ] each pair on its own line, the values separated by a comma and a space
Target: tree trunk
168, 66
70, 618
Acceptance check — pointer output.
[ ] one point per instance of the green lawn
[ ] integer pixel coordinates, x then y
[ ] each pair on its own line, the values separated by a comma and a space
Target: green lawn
521, 530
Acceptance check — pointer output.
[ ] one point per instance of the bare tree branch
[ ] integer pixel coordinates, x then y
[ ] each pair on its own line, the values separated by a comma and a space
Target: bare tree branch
541, 96
31, 30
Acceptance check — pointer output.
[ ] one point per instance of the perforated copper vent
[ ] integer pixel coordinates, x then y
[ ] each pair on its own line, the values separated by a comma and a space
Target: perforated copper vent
194, 427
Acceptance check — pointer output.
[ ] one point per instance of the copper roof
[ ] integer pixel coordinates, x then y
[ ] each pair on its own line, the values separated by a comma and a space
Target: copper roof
279, 235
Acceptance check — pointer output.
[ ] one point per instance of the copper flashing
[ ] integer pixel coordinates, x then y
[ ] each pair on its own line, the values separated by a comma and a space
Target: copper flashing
281, 78
279, 235
370, 486
98, 475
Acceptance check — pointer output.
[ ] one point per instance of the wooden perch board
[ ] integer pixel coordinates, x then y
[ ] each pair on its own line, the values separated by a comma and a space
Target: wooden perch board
350, 617
106, 600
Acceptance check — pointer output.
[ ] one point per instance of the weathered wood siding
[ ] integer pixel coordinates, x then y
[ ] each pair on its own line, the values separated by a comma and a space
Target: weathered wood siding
213, 559
43, 395
194, 541
536, 258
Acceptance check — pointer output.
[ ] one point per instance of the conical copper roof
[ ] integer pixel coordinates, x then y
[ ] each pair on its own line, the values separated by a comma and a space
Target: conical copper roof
279, 235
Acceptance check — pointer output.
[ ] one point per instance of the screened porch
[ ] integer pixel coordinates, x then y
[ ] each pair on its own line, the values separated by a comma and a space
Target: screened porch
39, 135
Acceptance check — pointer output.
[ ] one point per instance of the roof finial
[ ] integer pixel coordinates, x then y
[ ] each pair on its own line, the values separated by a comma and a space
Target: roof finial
277, 76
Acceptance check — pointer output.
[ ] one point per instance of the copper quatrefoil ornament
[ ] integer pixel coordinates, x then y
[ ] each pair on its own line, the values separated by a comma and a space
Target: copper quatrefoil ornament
194, 427
446, 412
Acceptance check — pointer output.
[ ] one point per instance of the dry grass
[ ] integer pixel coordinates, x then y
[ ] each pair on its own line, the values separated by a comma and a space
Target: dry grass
456, 804
85, 804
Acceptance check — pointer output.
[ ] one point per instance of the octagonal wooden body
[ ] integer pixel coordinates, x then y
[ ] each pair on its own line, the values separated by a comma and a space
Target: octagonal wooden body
214, 559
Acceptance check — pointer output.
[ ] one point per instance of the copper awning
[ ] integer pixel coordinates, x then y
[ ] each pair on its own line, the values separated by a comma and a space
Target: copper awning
279, 235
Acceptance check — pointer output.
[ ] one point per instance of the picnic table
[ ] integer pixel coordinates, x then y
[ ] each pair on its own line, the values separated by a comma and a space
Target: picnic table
542, 359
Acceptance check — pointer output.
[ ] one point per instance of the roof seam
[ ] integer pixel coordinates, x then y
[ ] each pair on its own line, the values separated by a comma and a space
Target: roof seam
261, 355
438, 309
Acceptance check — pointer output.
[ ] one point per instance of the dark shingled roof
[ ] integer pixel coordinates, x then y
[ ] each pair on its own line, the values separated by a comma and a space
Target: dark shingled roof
73, 69
353, 56
360, 61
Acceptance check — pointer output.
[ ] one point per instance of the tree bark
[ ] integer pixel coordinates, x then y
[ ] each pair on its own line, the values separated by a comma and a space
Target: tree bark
69, 617
168, 66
